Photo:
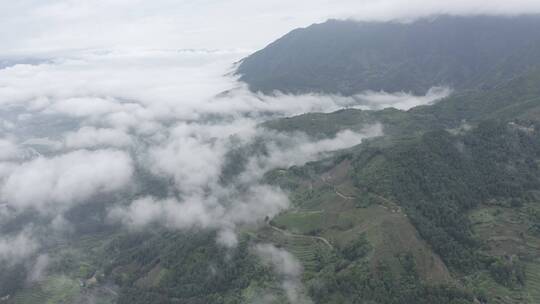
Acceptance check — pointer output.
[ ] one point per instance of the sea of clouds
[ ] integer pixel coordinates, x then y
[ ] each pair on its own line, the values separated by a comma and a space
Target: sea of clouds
80, 127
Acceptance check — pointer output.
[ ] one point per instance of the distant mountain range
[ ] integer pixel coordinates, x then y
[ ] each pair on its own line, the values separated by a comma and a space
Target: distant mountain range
347, 57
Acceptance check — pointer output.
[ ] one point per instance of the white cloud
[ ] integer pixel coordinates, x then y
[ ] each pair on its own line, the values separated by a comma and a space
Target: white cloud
141, 90
9, 150
38, 269
86, 106
288, 268
40, 25
52, 184
283, 262
286, 150
166, 108
401, 100
122, 86
222, 210
91, 137
412, 9
17, 248
192, 157
168, 212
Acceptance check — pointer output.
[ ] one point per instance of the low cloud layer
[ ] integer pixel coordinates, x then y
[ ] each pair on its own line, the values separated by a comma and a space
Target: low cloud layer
38, 269
18, 247
401, 100
50, 185
8, 150
221, 211
383, 10
154, 128
91, 137
195, 162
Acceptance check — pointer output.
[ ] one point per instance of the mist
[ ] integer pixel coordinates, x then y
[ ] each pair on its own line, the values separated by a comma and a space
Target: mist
288, 269
401, 100
80, 129
211, 25
17, 248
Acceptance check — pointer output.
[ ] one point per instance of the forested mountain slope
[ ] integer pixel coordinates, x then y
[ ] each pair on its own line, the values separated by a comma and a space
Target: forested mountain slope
442, 209
451, 188
348, 57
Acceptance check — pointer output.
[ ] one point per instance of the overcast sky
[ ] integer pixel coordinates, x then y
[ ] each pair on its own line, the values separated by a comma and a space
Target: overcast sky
37, 26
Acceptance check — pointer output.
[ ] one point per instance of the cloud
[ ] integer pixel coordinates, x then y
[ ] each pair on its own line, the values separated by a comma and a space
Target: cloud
383, 10
191, 156
142, 90
91, 137
121, 88
183, 24
86, 106
288, 269
172, 114
283, 262
8, 150
16, 248
38, 269
53, 184
403, 101
287, 150
221, 211
169, 212
194, 154
300, 149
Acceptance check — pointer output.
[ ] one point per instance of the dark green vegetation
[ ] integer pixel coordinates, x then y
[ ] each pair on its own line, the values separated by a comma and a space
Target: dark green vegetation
468, 182
349, 57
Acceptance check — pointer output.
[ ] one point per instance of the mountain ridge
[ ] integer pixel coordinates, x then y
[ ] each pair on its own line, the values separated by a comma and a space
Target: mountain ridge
348, 57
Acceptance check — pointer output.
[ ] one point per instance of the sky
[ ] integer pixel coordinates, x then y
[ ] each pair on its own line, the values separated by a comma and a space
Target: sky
94, 92
45, 26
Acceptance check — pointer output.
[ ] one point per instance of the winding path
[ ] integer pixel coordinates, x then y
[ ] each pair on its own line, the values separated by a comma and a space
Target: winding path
346, 197
343, 196
287, 233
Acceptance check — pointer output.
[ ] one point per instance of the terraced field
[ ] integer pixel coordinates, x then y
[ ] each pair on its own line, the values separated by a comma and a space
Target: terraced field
338, 217
71, 264
55, 290
533, 281
506, 231
307, 249
301, 222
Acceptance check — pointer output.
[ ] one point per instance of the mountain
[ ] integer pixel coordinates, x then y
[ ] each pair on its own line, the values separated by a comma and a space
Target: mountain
348, 57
